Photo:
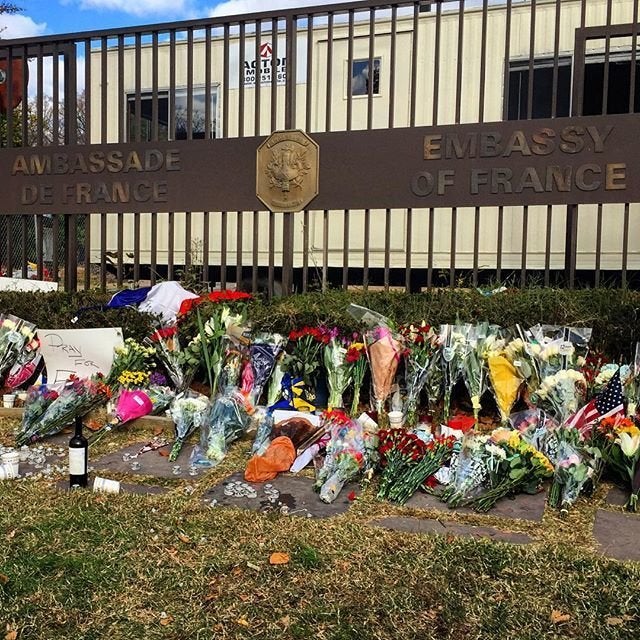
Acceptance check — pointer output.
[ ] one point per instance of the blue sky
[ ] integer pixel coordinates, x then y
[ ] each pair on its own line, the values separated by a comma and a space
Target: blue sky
65, 16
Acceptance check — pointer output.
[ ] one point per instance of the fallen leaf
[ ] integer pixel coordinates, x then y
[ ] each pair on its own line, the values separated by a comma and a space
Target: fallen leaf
613, 621
163, 452
244, 597
286, 621
11, 635
158, 431
3, 579
165, 619
279, 558
184, 538
236, 571
12, 534
352, 496
243, 622
558, 617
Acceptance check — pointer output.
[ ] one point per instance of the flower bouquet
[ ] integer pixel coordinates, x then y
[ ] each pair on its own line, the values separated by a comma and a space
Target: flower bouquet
166, 345
618, 439
420, 348
227, 421
357, 360
384, 350
39, 397
573, 469
77, 398
15, 335
421, 464
561, 393
264, 352
452, 340
188, 412
513, 465
25, 366
338, 371
133, 404
506, 382
345, 454
132, 365
399, 450
304, 354
467, 471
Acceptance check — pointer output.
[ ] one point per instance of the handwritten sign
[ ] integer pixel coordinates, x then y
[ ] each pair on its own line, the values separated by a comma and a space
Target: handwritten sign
82, 352
24, 284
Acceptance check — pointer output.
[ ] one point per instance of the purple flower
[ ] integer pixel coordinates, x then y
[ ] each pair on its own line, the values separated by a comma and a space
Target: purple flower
158, 379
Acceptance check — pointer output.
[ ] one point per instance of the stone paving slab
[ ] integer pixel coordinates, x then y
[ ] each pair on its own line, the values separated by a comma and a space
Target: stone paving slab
521, 507
152, 463
418, 525
125, 487
617, 534
296, 495
617, 497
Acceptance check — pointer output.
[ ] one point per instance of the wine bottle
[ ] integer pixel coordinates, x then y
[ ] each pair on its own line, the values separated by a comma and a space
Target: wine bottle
78, 457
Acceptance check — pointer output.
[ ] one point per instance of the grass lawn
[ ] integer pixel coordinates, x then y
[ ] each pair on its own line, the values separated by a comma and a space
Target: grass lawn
85, 566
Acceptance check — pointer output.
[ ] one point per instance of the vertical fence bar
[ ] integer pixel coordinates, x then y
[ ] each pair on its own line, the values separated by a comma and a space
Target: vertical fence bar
345, 249
55, 261
254, 247
171, 119
223, 249
556, 60
9, 87
189, 122
104, 44
188, 249
634, 57
547, 249
120, 249
103, 251
155, 119
171, 228
86, 219
23, 246
460, 61
392, 65
239, 249
309, 74
499, 243
452, 258
241, 58
272, 254
598, 245
138, 87
476, 245
525, 239
225, 111
430, 249
274, 77
625, 246
414, 66
367, 246
39, 247
325, 249
40, 95
408, 262
305, 251
350, 39
372, 44
483, 60
258, 81
329, 83
205, 243
532, 56
607, 55
209, 132
387, 244
154, 247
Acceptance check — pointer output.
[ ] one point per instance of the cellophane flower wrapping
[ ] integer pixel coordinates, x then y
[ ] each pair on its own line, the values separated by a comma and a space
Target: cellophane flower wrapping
506, 382
454, 346
264, 352
188, 412
228, 420
618, 440
573, 470
357, 361
304, 353
421, 345
39, 397
338, 371
345, 454
16, 337
263, 434
25, 365
468, 470
76, 398
384, 350
561, 393
513, 466
274, 391
131, 358
166, 343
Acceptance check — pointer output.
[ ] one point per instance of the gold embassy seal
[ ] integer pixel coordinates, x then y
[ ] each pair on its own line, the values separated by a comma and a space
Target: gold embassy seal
287, 171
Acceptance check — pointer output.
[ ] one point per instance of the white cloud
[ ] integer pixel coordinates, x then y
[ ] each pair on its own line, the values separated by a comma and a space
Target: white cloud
233, 7
176, 9
20, 26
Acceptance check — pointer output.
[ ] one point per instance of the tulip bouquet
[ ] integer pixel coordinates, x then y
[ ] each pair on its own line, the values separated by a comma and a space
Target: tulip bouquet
356, 358
619, 441
15, 335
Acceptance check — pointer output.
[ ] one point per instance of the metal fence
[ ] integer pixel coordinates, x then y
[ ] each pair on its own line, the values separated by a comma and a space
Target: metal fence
341, 69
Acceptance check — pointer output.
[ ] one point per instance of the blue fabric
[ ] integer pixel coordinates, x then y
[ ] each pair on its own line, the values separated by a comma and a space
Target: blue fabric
128, 297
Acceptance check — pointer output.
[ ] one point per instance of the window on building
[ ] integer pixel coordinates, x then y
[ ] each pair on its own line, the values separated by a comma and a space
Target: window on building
180, 130
518, 98
360, 77
617, 91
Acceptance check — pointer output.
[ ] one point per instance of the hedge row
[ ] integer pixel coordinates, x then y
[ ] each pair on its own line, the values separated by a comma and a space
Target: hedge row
612, 313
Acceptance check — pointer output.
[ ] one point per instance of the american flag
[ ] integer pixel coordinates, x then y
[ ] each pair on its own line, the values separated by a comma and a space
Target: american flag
608, 403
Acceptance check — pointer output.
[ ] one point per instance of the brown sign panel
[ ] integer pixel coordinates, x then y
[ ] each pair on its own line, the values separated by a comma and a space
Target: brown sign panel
556, 161
18, 72
287, 171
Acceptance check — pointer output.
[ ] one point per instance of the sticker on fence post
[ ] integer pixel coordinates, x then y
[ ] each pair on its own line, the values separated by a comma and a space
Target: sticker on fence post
81, 352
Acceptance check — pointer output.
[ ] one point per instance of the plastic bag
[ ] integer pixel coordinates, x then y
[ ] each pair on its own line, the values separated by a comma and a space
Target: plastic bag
278, 457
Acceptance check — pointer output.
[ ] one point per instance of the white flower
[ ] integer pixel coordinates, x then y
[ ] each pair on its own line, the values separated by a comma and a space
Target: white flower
628, 443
